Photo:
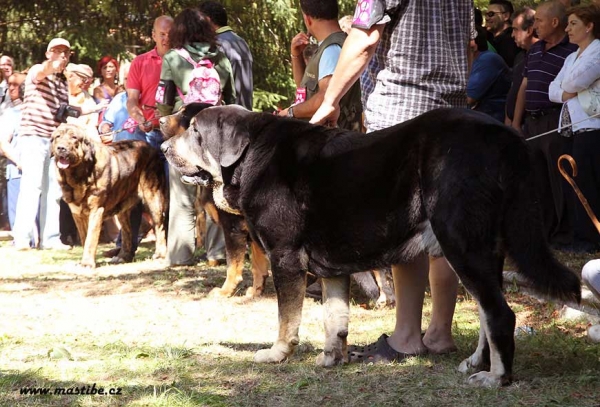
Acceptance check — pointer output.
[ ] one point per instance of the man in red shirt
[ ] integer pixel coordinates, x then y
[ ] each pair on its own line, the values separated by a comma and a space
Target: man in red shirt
142, 82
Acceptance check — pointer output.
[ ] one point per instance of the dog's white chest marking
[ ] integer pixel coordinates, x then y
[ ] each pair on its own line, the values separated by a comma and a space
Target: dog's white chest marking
220, 200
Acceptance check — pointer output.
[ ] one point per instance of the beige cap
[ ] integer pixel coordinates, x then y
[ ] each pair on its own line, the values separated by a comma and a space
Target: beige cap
82, 70
57, 42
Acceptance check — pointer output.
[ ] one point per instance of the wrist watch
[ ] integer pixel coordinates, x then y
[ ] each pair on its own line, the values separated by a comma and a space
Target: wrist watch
290, 111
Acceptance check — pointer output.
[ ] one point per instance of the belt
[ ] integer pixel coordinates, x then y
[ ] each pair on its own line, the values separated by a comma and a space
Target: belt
536, 114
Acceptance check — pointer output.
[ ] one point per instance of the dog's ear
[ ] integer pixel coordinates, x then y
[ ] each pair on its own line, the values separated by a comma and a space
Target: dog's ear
87, 145
225, 132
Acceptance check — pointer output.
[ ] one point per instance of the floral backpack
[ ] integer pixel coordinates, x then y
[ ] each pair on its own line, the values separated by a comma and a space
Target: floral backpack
205, 85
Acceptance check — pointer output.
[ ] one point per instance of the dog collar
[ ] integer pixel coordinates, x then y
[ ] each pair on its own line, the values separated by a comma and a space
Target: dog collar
220, 201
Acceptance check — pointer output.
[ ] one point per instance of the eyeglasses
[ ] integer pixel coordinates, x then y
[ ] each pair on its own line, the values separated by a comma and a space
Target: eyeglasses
491, 14
65, 52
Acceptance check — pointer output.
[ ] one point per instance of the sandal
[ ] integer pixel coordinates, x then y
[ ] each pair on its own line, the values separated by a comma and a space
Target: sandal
378, 352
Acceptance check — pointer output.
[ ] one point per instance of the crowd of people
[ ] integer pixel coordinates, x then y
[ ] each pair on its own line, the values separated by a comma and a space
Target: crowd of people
124, 104
534, 70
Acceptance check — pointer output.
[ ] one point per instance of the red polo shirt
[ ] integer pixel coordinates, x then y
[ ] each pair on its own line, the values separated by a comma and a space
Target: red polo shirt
144, 75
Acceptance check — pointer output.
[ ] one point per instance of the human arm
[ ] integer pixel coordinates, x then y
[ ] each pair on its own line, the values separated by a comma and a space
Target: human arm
299, 42
308, 108
520, 106
582, 75
556, 92
135, 110
7, 132
40, 71
357, 51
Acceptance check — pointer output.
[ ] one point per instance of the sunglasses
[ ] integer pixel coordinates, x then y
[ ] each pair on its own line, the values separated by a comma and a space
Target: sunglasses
491, 14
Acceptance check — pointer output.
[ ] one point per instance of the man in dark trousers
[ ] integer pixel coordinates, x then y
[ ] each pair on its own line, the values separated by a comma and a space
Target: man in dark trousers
535, 114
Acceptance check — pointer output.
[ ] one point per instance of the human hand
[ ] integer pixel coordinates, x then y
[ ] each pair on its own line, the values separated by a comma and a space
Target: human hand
107, 138
327, 115
567, 95
299, 42
146, 126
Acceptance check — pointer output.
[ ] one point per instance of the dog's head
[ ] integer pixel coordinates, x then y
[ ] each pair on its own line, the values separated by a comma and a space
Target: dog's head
215, 140
70, 146
179, 122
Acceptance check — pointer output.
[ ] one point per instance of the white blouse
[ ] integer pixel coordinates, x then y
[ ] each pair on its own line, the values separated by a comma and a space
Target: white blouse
577, 74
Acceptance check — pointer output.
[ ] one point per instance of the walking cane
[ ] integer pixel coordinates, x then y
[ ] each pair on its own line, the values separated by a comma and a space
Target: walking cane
584, 202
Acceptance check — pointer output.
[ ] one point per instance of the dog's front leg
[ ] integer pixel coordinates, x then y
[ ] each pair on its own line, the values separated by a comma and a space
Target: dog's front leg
336, 294
94, 225
290, 287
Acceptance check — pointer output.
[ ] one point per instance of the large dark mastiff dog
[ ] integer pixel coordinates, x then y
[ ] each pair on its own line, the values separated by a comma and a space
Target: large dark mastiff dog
451, 182
100, 181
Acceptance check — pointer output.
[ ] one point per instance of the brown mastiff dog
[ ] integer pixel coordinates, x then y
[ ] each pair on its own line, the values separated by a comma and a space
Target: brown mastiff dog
100, 181
234, 226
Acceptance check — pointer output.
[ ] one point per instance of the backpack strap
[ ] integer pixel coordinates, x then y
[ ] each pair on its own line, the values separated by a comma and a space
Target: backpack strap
183, 53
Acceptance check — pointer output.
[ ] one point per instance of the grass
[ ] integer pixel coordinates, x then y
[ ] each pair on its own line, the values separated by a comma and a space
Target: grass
153, 333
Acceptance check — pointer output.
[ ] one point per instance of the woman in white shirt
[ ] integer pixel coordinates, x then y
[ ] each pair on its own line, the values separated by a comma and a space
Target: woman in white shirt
579, 72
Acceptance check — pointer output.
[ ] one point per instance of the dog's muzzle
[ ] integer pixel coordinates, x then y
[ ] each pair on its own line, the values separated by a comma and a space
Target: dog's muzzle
202, 178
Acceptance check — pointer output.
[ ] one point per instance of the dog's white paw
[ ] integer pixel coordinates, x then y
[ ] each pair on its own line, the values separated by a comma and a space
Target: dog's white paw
272, 355
329, 359
485, 379
471, 363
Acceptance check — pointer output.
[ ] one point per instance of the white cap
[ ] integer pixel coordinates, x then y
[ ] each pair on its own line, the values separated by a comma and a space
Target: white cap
57, 42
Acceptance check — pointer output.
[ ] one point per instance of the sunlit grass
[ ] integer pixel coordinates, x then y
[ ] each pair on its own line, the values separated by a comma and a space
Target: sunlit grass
153, 332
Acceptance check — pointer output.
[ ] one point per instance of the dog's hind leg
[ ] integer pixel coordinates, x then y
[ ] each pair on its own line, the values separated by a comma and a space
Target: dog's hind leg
156, 202
126, 253
336, 294
290, 287
260, 270
479, 271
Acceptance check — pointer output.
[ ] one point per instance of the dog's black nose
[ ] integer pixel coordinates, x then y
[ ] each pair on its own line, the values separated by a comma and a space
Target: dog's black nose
61, 149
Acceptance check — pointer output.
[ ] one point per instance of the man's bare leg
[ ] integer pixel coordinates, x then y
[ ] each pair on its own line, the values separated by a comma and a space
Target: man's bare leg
409, 286
444, 287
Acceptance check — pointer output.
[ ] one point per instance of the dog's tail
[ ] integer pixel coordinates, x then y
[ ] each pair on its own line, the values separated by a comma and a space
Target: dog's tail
523, 232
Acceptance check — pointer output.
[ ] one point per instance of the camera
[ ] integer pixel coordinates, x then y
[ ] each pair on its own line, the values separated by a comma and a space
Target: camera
65, 111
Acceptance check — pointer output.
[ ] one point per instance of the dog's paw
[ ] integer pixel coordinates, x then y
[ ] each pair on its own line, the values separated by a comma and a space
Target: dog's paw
272, 355
329, 359
86, 264
472, 363
485, 379
218, 292
253, 292
158, 256
117, 260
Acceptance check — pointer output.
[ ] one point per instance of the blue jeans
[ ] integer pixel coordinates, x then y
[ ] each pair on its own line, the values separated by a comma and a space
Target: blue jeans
39, 189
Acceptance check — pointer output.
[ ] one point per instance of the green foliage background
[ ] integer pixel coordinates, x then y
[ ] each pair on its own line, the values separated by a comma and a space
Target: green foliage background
99, 27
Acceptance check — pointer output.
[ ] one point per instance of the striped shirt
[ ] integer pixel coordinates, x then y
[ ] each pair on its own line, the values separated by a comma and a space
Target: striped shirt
421, 61
541, 67
41, 102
